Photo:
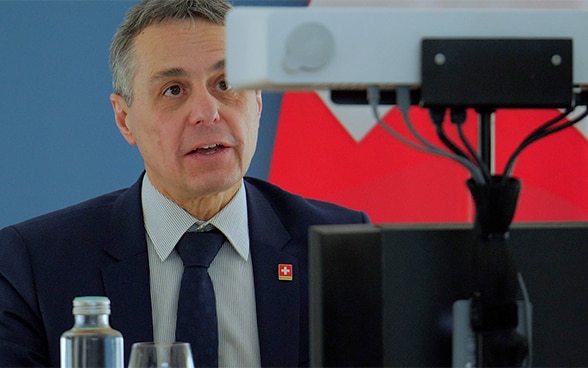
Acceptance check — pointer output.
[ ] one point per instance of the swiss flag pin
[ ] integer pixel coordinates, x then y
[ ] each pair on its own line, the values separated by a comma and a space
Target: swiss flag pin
285, 272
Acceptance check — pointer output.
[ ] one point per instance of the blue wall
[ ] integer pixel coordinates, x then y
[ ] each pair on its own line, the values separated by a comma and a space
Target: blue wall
58, 141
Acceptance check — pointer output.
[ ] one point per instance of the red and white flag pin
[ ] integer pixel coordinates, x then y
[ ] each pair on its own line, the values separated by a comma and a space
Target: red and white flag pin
285, 272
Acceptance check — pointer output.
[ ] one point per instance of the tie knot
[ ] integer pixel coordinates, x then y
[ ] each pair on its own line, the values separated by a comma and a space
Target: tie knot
199, 248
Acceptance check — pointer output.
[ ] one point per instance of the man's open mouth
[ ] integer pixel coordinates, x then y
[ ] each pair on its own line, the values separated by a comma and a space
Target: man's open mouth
208, 149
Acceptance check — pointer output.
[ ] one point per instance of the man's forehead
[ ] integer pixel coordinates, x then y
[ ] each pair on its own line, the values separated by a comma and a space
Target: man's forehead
178, 49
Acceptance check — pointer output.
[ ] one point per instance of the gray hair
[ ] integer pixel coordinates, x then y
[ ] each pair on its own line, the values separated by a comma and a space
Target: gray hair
144, 14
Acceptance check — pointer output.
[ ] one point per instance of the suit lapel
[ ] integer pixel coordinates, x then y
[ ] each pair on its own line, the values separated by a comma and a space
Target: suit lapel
126, 280
278, 302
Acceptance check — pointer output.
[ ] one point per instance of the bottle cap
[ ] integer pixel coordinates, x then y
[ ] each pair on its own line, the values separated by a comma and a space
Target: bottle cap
91, 305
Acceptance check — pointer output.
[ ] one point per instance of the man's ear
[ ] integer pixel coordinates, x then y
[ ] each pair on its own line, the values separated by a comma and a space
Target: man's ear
259, 101
120, 108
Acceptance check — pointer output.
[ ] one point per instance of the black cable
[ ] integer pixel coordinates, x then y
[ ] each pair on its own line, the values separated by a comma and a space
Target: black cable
458, 117
438, 117
541, 132
543, 129
404, 105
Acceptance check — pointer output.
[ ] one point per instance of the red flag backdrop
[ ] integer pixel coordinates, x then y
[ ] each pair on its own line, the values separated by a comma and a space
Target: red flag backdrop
316, 156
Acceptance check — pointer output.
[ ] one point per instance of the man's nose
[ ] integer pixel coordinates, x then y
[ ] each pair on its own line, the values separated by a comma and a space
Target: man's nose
204, 107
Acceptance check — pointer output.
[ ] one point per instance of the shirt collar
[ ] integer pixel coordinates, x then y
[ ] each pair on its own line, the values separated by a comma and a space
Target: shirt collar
166, 222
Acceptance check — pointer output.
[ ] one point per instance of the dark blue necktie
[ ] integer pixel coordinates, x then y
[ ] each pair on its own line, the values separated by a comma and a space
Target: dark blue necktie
196, 319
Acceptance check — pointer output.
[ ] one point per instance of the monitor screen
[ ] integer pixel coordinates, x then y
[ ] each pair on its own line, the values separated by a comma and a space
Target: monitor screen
382, 295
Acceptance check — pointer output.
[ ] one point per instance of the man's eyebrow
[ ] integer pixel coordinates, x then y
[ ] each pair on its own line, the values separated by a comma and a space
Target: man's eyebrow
168, 73
218, 65
179, 72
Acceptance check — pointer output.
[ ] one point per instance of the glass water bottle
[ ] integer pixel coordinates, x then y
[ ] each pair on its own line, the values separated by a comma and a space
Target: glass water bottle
91, 342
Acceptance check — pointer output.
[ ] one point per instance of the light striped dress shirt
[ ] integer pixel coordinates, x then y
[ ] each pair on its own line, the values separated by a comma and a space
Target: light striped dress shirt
231, 273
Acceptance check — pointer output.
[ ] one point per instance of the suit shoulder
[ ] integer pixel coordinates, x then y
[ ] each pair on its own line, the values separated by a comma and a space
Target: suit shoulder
316, 211
88, 211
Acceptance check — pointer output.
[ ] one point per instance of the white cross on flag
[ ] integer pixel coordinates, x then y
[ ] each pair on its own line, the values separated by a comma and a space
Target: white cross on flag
285, 272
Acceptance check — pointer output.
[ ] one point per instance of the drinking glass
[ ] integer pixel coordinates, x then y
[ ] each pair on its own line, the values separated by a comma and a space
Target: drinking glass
159, 355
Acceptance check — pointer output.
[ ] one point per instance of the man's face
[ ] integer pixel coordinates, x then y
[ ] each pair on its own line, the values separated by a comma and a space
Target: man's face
196, 135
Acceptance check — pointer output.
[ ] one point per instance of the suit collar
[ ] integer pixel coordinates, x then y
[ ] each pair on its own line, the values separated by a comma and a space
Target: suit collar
127, 230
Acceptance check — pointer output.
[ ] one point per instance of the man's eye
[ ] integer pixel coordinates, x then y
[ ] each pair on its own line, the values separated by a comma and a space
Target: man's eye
173, 91
223, 86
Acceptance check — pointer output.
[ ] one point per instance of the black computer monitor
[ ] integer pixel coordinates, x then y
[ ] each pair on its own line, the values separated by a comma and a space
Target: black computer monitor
383, 295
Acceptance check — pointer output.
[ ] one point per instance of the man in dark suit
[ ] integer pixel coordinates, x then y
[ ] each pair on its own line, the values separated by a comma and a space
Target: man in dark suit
197, 137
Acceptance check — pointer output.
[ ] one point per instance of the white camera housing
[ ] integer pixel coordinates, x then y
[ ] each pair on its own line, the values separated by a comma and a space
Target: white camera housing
282, 48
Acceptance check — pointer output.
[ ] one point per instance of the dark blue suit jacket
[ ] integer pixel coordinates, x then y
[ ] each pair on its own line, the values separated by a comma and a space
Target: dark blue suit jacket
98, 248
